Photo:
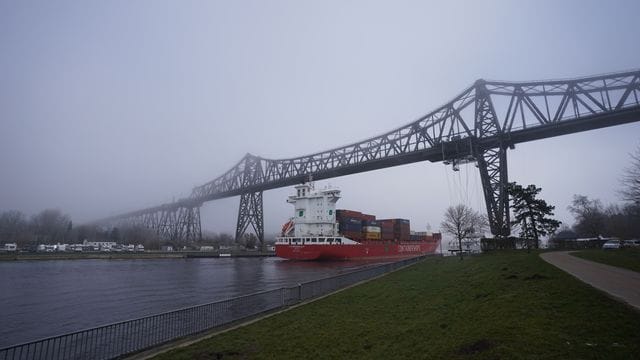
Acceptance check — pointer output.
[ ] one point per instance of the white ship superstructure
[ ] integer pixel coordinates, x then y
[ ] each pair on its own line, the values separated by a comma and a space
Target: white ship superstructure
315, 211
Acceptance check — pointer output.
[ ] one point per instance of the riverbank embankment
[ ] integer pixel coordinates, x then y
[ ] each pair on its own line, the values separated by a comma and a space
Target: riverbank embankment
14, 256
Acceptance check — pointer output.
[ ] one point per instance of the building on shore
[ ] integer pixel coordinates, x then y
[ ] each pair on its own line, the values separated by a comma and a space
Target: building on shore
99, 245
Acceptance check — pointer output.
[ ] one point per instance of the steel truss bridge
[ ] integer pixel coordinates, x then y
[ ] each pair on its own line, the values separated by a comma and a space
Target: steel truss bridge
479, 124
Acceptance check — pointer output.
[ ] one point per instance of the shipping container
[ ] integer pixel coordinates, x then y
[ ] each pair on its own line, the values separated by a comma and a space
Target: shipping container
375, 229
349, 226
351, 221
371, 236
342, 213
367, 217
345, 228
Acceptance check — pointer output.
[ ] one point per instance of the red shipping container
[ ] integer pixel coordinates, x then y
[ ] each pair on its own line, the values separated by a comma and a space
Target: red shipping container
342, 213
367, 217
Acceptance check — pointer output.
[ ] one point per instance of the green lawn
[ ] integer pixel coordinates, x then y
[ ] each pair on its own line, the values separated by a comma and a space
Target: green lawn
624, 258
505, 305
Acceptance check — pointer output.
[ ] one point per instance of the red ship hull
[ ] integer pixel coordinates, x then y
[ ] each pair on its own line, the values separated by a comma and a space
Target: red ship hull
363, 250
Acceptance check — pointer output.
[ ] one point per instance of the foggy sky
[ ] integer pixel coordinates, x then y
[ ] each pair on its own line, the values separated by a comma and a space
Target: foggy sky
113, 106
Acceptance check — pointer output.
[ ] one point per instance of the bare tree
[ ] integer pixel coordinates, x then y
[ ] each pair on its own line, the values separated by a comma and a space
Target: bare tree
138, 234
631, 180
249, 241
50, 226
14, 227
463, 222
589, 215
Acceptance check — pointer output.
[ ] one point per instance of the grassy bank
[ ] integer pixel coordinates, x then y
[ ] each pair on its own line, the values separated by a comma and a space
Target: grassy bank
124, 255
509, 305
624, 258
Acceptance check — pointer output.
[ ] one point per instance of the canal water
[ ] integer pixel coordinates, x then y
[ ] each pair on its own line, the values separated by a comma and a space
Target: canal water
45, 298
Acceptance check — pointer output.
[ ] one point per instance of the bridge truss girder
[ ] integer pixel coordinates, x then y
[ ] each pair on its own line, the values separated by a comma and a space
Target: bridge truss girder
521, 112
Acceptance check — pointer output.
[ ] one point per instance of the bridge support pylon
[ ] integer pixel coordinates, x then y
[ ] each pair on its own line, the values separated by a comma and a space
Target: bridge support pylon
492, 164
180, 225
250, 214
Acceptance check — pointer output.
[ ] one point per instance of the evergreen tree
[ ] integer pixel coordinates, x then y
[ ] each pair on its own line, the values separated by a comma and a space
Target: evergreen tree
531, 214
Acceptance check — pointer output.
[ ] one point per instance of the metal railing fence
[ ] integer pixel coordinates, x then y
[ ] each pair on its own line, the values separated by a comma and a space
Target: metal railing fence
130, 336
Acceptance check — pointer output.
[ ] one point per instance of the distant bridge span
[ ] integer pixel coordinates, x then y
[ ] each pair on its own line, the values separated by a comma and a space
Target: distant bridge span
480, 124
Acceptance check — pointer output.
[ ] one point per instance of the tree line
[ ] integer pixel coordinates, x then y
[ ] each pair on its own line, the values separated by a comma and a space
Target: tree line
52, 226
49, 226
614, 220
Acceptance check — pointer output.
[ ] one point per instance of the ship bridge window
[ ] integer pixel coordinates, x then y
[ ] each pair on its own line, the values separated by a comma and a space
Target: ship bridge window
298, 192
313, 240
321, 240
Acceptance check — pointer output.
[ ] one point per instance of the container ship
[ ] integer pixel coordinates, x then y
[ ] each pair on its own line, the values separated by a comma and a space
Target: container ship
320, 232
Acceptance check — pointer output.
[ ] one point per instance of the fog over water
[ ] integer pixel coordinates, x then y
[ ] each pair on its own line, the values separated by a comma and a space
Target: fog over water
114, 106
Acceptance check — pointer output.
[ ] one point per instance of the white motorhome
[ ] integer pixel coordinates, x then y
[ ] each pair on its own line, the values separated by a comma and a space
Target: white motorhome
10, 247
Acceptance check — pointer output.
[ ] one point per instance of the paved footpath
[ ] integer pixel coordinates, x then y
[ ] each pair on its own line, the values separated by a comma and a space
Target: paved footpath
620, 283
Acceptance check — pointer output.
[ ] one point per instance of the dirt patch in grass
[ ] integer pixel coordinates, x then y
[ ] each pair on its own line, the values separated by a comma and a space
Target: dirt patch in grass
536, 276
476, 347
216, 355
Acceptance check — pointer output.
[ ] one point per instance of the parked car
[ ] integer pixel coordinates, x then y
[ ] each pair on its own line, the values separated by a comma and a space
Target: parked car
611, 244
631, 243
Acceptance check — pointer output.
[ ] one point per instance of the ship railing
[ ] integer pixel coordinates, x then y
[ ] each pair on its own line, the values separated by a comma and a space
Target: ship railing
137, 335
